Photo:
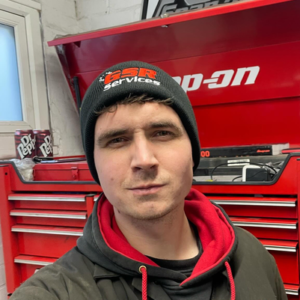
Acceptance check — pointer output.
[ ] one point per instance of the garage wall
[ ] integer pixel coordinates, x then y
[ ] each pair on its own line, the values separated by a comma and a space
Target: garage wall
97, 14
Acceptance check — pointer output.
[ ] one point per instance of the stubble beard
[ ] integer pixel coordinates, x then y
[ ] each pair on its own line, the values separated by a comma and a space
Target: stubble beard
153, 213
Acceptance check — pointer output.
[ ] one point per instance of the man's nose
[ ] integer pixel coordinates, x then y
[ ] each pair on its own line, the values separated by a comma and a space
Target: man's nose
143, 154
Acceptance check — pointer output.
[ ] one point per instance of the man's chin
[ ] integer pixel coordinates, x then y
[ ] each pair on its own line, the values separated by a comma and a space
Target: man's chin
148, 197
151, 214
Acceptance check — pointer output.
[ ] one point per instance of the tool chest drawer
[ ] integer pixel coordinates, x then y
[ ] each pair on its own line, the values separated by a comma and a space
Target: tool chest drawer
45, 241
268, 207
278, 229
49, 217
286, 254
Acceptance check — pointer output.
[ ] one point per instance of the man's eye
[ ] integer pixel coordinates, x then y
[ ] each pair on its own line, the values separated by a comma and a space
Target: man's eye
116, 141
163, 133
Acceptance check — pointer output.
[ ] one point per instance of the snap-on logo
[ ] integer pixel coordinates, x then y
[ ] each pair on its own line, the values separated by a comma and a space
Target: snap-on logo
46, 147
26, 147
219, 79
129, 75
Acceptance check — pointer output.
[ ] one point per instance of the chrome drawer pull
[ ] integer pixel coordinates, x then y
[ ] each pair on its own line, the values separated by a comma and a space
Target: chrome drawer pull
47, 215
266, 225
46, 198
280, 248
58, 232
292, 292
255, 203
32, 262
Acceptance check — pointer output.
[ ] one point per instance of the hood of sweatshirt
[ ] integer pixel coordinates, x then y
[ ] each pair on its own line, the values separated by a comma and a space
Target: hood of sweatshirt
104, 244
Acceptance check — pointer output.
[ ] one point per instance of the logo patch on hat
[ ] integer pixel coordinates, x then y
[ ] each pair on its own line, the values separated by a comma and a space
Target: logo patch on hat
102, 77
129, 75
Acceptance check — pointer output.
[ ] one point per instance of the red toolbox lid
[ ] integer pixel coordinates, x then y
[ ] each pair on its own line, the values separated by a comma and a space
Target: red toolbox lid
245, 60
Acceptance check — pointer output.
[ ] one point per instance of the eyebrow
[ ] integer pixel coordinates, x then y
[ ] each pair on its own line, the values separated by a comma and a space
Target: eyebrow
113, 133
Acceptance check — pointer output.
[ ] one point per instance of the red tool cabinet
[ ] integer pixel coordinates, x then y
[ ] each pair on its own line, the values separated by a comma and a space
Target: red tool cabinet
42, 220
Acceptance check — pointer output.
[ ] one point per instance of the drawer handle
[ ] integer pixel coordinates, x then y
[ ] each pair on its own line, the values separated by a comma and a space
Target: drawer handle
292, 292
266, 225
47, 215
32, 262
255, 203
44, 231
45, 198
280, 248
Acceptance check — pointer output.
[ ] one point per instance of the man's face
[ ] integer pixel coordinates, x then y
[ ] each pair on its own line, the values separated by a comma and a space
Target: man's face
143, 158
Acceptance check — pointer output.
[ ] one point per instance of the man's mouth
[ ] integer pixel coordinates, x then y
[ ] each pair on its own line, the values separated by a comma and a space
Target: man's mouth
146, 189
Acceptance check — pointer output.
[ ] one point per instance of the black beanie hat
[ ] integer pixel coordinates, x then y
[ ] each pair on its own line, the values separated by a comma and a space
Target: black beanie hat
135, 78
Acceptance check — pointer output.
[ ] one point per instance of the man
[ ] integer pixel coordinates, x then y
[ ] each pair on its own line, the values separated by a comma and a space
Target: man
150, 235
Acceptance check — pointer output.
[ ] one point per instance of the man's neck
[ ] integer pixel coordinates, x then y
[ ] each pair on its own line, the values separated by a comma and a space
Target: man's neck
170, 237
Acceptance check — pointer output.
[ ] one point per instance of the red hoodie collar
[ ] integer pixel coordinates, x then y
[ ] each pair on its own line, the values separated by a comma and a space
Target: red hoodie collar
216, 234
113, 236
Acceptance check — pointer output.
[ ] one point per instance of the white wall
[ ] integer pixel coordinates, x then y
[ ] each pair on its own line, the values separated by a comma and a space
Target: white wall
97, 14
62, 17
